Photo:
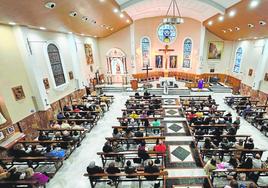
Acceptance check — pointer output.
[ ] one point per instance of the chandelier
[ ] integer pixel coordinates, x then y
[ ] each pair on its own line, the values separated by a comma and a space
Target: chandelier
175, 17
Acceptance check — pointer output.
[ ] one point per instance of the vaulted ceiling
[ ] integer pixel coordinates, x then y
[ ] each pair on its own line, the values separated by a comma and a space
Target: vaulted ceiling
196, 9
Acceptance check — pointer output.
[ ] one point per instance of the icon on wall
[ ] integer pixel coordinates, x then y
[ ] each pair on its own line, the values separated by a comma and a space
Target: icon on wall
46, 83
250, 72
89, 54
266, 77
71, 75
159, 61
10, 130
173, 61
215, 50
18, 93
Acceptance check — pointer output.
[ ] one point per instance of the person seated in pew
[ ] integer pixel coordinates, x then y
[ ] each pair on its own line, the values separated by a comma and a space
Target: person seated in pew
265, 164
210, 166
138, 133
92, 169
78, 116
112, 169
134, 115
19, 151
128, 134
233, 184
249, 144
3, 173
124, 122
76, 109
160, 146
143, 151
98, 109
236, 123
151, 168
43, 136
132, 123
199, 114
55, 125
129, 169
137, 95
239, 145
107, 148
208, 144
65, 125
60, 116
34, 152
246, 111
75, 126
116, 133
156, 123
247, 164
143, 115
104, 106
231, 132
67, 108
228, 117
146, 94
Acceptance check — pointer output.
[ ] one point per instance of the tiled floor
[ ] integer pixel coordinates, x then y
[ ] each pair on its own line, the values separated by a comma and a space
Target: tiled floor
71, 174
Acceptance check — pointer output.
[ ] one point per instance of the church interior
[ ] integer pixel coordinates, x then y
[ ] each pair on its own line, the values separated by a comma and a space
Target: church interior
134, 93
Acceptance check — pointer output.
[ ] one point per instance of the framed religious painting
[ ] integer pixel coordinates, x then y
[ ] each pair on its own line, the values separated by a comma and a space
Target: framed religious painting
266, 77
18, 93
71, 75
159, 61
2, 136
215, 50
173, 61
250, 72
10, 130
46, 83
89, 54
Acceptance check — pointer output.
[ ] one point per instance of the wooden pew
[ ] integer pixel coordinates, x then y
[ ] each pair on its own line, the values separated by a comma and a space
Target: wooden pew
230, 151
129, 155
92, 122
148, 118
216, 111
162, 128
139, 177
146, 138
197, 137
27, 182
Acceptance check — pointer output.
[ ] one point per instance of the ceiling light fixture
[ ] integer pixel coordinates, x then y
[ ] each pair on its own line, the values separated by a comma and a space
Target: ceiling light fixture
84, 18
128, 20
224, 31
175, 17
262, 22
254, 3
237, 28
210, 22
73, 14
221, 18
82, 34
122, 15
42, 28
116, 10
11, 23
70, 32
232, 13
112, 29
250, 25
230, 30
255, 38
50, 5
239, 39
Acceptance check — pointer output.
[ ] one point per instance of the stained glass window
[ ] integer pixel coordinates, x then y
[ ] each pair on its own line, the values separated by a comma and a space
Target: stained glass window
56, 65
167, 33
238, 59
145, 47
187, 51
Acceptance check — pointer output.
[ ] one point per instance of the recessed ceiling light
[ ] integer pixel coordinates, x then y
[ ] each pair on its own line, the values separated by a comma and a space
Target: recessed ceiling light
221, 18
230, 30
255, 38
50, 5
128, 20
239, 39
112, 29
254, 3
82, 34
95, 36
116, 10
122, 15
232, 13
250, 25
262, 22
237, 28
107, 27
11, 23
42, 28
70, 32
102, 25
84, 18
73, 14
224, 31
102, 0
210, 22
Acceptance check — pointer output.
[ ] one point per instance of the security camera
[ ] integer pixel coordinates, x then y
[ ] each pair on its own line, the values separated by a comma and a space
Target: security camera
50, 5
262, 22
73, 14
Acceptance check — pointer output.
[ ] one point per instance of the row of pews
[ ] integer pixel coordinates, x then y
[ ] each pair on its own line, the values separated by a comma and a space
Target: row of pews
133, 129
255, 114
216, 137
46, 154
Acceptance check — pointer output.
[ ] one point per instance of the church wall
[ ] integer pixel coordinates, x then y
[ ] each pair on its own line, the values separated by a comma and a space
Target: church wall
220, 66
12, 74
148, 27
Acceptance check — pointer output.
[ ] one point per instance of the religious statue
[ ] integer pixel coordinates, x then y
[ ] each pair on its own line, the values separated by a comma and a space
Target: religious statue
173, 62
159, 61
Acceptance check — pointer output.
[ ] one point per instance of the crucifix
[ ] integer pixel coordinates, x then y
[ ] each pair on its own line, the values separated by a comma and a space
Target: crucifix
147, 68
166, 50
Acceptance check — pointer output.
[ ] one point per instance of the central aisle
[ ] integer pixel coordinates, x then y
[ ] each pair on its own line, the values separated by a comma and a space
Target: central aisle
71, 173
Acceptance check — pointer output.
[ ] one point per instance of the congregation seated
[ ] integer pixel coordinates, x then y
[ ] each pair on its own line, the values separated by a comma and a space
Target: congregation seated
151, 168
92, 169
112, 169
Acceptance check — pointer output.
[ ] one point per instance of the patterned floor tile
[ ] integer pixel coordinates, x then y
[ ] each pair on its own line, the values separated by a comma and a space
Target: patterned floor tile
175, 128
180, 153
172, 112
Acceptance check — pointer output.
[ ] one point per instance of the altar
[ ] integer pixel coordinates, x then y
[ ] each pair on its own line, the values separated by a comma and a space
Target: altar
170, 81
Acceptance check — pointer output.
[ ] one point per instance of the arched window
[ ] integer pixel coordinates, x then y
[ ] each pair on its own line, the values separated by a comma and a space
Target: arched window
56, 65
238, 59
187, 51
145, 49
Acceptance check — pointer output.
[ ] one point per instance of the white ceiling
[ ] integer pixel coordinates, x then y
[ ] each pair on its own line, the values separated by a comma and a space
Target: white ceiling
196, 9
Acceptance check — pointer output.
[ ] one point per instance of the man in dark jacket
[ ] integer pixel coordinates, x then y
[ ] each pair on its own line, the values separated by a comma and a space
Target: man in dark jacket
112, 169
151, 168
93, 169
